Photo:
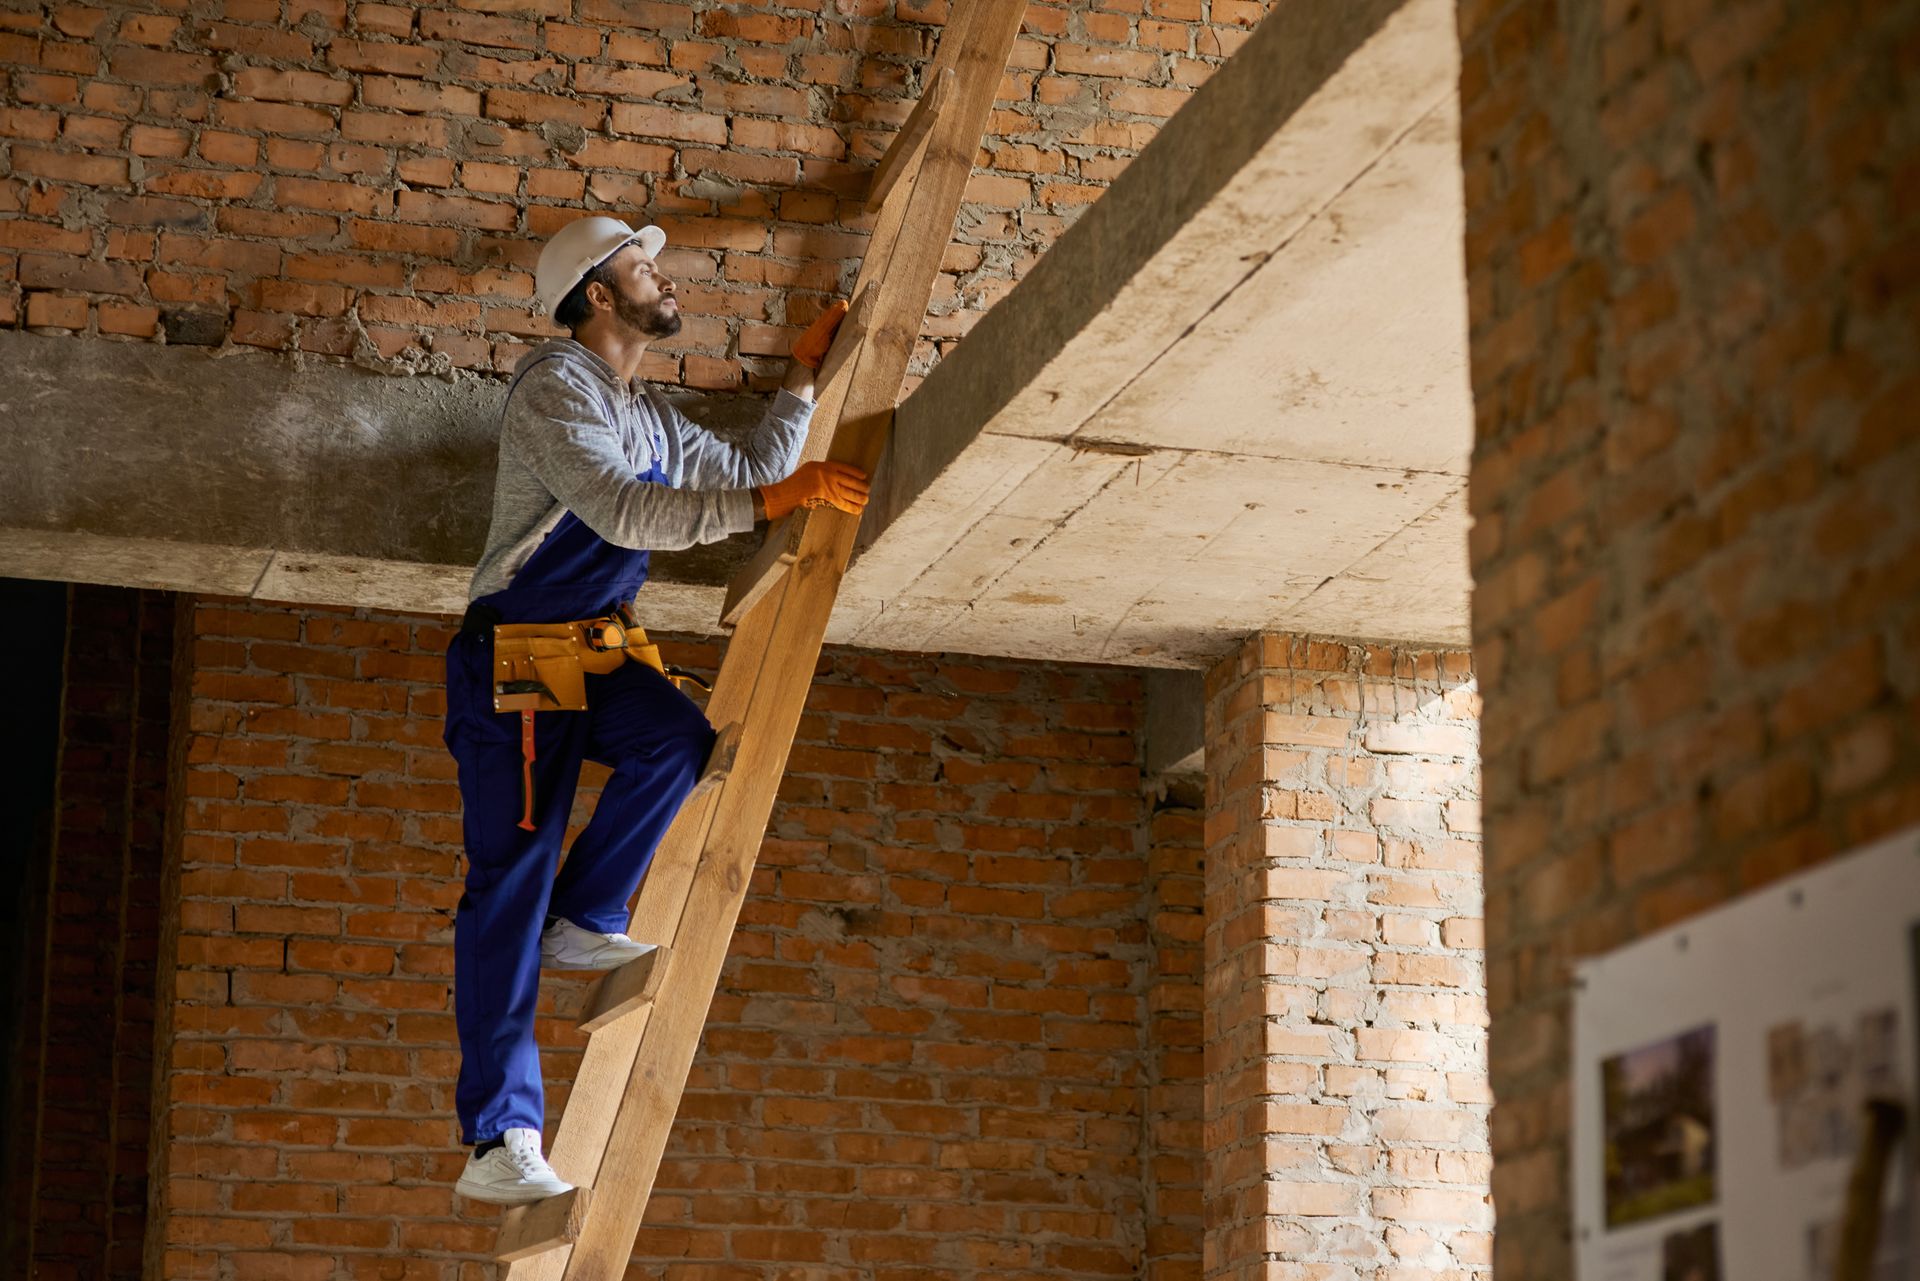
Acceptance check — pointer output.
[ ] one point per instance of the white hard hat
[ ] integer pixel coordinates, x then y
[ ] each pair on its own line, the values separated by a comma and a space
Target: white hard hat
579, 247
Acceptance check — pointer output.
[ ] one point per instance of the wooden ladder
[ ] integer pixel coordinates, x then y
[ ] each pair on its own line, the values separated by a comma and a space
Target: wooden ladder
646, 1018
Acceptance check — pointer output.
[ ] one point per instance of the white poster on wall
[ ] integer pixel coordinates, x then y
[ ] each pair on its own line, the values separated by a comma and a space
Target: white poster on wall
1721, 1068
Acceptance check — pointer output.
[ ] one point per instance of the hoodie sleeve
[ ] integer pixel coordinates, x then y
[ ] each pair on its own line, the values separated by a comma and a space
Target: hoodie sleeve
558, 427
768, 453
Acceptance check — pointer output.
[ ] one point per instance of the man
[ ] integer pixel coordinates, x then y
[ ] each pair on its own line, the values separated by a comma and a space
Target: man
595, 467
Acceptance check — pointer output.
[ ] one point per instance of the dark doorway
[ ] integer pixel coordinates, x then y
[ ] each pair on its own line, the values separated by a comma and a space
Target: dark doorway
86, 683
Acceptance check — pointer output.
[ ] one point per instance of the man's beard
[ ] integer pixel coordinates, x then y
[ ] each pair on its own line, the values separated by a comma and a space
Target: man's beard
657, 321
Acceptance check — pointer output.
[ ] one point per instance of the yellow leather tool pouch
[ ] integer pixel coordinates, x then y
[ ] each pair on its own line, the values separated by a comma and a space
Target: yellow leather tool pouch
542, 667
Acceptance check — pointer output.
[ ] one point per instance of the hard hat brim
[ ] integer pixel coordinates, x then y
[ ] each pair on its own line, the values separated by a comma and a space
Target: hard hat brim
650, 239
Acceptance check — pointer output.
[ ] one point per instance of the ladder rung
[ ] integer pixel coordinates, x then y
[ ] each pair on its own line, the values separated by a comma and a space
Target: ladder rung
759, 575
540, 1226
618, 993
726, 749
909, 145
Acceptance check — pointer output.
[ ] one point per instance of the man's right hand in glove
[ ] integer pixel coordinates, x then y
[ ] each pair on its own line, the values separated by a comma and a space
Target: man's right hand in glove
827, 484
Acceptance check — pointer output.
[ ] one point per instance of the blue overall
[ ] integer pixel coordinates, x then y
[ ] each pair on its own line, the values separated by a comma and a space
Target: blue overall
639, 725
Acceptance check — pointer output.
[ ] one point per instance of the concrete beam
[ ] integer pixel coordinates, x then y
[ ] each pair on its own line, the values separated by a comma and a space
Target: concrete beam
1233, 396
1318, 93
253, 474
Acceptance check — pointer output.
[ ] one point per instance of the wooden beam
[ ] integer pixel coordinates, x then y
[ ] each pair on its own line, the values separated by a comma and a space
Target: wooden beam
621, 992
693, 895
528, 1231
909, 145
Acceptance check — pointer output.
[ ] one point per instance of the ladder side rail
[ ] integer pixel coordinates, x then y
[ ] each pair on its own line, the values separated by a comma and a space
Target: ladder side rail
784, 649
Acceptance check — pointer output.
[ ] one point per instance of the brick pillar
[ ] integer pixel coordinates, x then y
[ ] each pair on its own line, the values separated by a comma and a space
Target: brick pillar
1346, 1098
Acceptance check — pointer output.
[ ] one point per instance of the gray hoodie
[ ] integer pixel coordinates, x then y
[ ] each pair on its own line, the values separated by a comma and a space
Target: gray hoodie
573, 437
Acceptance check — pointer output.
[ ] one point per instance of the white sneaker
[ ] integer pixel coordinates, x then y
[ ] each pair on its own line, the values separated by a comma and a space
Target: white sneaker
511, 1174
565, 946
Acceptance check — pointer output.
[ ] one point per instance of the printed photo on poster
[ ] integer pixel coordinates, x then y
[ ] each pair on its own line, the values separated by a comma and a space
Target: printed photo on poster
1819, 1075
1691, 1254
1658, 1116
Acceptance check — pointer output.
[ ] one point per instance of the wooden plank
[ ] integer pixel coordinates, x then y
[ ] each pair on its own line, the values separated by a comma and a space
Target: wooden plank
541, 1227
726, 747
847, 339
768, 667
623, 991
757, 577
909, 145
751, 584
888, 227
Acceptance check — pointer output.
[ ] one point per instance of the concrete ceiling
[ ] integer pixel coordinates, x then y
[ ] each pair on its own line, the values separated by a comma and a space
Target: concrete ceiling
1261, 420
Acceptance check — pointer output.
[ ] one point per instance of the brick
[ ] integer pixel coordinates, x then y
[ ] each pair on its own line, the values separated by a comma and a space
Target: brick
536, 108
160, 67
1424, 740
488, 214
54, 311
258, 42
395, 94
391, 59
281, 118
1431, 1205
1310, 1199
38, 271
479, 29
309, 87
129, 319
92, 171
301, 299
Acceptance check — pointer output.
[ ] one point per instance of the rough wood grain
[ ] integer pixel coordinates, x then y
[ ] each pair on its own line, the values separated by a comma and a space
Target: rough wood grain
757, 577
903, 155
624, 991
528, 1231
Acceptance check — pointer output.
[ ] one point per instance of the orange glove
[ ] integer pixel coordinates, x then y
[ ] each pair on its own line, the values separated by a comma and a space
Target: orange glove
811, 347
817, 485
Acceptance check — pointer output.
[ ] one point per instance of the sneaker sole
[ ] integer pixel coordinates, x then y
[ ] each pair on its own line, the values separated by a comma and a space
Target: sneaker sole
503, 1196
550, 963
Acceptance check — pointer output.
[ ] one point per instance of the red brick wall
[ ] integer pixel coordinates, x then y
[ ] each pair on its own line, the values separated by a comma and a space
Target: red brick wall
83, 1060
374, 179
1691, 251
955, 1037
1347, 1098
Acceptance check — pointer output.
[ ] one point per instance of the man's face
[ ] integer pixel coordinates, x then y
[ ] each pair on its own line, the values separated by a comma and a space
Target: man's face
643, 298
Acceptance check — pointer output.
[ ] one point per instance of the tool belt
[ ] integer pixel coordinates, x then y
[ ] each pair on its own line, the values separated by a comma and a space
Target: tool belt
543, 667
